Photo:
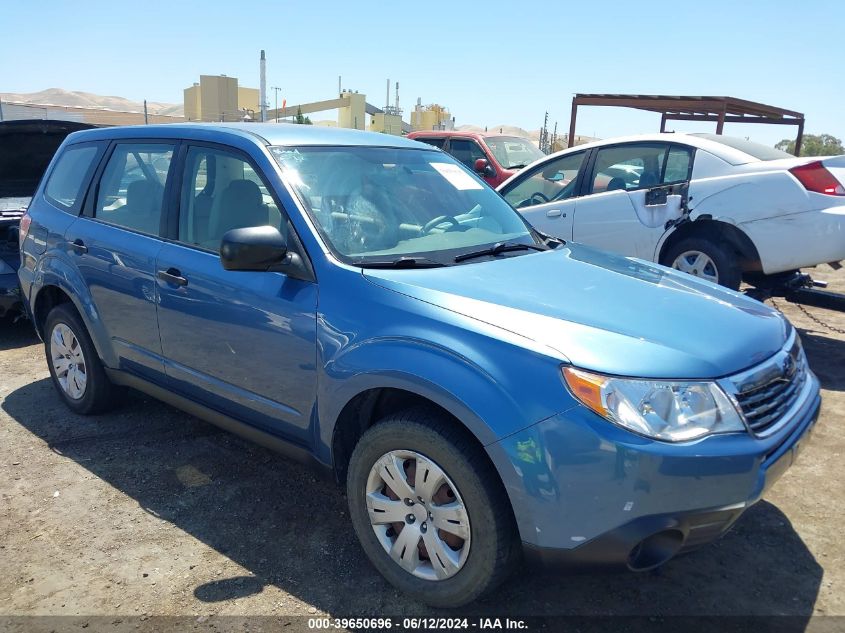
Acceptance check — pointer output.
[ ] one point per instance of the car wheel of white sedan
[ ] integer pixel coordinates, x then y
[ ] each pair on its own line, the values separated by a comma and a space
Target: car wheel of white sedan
705, 258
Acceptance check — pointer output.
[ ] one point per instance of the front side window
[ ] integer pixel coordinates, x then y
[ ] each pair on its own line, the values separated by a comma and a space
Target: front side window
466, 151
70, 176
513, 152
373, 203
222, 191
131, 192
628, 167
554, 180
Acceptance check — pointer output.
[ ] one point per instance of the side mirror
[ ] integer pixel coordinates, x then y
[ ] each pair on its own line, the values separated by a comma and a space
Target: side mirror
483, 168
256, 248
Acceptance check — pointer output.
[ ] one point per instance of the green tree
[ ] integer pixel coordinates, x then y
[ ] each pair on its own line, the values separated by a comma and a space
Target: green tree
814, 145
302, 120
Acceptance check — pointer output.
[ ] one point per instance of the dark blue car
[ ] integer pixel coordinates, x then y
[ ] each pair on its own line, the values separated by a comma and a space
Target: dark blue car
366, 303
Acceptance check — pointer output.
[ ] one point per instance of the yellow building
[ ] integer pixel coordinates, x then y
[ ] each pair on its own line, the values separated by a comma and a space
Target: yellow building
387, 123
219, 98
431, 117
249, 99
352, 111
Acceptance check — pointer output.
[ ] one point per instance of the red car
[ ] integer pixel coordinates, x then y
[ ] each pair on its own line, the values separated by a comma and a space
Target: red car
494, 157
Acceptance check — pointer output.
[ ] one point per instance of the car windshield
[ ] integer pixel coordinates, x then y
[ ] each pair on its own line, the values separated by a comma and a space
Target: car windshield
756, 150
376, 204
512, 151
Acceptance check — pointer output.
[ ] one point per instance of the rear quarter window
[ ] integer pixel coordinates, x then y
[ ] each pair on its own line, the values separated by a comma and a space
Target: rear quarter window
70, 176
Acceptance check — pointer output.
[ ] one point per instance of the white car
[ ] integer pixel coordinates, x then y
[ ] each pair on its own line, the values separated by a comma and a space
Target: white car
713, 206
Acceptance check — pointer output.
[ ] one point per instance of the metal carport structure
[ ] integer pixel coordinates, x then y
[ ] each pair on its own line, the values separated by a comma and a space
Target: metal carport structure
720, 110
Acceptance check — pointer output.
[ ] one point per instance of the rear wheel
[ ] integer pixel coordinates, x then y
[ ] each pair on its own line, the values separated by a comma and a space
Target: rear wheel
705, 258
429, 509
75, 367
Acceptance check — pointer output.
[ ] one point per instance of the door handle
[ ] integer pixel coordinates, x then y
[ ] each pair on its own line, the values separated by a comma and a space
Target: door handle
79, 246
172, 276
555, 213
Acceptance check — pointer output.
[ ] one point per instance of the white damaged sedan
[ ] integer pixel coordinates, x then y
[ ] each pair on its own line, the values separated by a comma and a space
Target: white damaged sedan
714, 206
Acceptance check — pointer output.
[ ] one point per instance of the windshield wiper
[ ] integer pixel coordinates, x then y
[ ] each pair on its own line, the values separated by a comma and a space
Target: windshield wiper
401, 262
520, 166
500, 247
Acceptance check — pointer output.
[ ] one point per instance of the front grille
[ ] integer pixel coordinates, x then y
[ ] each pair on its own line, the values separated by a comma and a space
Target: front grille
775, 389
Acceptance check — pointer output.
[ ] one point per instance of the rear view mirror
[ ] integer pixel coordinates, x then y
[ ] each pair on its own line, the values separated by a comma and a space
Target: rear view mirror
256, 248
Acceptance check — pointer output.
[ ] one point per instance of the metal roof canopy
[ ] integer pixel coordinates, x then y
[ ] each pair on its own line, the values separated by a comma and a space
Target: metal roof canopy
720, 110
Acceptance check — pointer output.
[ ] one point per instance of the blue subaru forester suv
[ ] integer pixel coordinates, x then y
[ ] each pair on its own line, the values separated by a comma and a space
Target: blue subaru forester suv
366, 303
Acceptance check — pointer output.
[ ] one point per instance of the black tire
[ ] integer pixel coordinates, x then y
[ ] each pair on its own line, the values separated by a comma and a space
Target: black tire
494, 544
99, 393
724, 258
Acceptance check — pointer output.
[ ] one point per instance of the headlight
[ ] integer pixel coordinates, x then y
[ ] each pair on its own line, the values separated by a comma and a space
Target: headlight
674, 411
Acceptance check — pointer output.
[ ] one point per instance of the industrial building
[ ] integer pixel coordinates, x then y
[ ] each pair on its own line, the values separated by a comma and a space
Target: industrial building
431, 117
220, 98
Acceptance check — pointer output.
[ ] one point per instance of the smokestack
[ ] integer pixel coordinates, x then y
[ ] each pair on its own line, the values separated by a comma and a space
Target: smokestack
262, 91
387, 98
397, 96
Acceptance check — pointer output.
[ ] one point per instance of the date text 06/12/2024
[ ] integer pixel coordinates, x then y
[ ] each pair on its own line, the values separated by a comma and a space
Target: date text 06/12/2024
425, 624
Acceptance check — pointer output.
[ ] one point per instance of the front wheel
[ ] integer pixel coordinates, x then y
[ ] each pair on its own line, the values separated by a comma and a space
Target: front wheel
429, 509
705, 258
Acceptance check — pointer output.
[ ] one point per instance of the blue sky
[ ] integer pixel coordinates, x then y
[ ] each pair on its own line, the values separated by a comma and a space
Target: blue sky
489, 62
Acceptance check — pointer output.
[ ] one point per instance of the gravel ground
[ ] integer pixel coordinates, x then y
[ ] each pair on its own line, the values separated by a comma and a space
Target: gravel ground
148, 511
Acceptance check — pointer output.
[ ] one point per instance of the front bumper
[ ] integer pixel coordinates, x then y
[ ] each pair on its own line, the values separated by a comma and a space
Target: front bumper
585, 492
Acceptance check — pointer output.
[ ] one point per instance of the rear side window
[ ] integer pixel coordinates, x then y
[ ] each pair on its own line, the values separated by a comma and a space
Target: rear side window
677, 164
437, 142
70, 176
131, 192
627, 167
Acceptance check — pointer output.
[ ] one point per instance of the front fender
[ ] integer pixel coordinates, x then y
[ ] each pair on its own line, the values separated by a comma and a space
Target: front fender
54, 270
491, 406
420, 368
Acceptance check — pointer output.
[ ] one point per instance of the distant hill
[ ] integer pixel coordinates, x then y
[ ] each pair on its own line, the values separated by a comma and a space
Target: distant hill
534, 135
60, 97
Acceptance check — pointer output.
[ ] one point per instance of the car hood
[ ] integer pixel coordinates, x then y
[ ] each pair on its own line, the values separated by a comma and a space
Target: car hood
604, 312
26, 148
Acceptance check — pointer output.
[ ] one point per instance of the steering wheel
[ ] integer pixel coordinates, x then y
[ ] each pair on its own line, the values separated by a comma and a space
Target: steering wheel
538, 197
440, 219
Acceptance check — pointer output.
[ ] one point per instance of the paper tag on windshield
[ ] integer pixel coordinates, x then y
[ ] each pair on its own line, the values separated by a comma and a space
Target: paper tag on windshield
459, 179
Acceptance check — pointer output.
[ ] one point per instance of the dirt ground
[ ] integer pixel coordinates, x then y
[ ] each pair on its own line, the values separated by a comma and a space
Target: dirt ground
148, 511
